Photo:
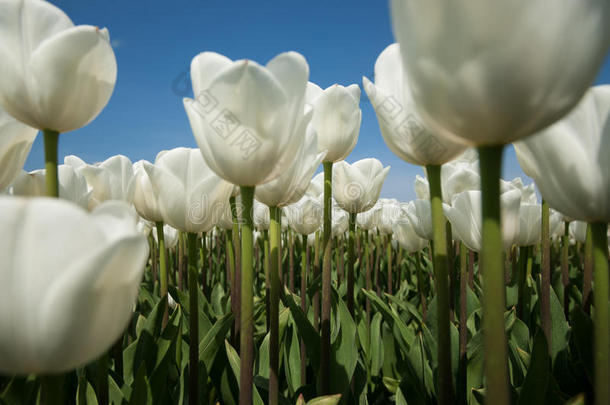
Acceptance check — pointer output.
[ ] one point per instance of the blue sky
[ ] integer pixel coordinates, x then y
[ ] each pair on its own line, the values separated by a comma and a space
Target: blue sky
155, 40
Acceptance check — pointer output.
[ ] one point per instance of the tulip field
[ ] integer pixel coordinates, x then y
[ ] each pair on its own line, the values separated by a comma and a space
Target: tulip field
262, 268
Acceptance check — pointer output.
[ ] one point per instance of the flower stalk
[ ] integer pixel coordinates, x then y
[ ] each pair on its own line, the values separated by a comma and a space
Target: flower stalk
602, 314
326, 281
274, 304
441, 270
193, 320
494, 337
51, 140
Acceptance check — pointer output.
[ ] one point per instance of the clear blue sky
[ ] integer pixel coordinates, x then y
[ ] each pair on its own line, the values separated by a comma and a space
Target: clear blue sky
155, 40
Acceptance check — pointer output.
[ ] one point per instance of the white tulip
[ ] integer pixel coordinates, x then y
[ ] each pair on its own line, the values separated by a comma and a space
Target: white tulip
401, 127
55, 75
248, 119
465, 215
305, 216
72, 185
420, 216
294, 182
356, 187
368, 220
15, 143
336, 118
170, 235
190, 195
144, 198
70, 281
405, 234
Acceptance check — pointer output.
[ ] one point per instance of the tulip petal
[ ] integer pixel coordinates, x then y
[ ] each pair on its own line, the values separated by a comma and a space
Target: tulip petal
72, 78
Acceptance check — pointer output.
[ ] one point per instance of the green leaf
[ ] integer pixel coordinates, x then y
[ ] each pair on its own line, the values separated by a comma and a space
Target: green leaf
212, 341
406, 336
344, 351
140, 392
292, 359
234, 362
376, 348
534, 388
560, 330
305, 330
85, 394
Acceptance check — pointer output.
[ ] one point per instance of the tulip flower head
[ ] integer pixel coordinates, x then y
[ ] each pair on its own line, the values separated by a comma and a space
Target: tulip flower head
67, 304
401, 127
248, 119
55, 75
15, 143
464, 62
570, 160
356, 187
336, 118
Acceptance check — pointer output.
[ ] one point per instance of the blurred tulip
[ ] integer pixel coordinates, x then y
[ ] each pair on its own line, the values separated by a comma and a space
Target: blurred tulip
340, 221
390, 211
72, 185
466, 219
305, 216
112, 179
261, 216
56, 76
420, 216
144, 198
368, 220
144, 226
294, 182
405, 234
68, 303
463, 62
191, 197
402, 129
530, 220
356, 187
578, 231
316, 186
570, 161
458, 175
336, 118
15, 143
248, 119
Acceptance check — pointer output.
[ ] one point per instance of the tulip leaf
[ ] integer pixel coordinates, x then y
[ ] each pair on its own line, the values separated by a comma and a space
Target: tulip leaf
140, 390
326, 400
234, 362
305, 330
85, 394
212, 341
536, 382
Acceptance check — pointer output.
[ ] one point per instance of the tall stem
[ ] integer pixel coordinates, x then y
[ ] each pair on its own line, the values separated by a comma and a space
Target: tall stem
247, 301
545, 279
350, 263
602, 314
193, 321
236, 288
162, 267
274, 269
204, 251
587, 277
326, 280
388, 243
51, 139
316, 273
565, 268
441, 270
463, 333
304, 265
369, 281
421, 286
494, 337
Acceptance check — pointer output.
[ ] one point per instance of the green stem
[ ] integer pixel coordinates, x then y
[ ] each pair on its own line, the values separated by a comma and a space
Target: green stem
162, 267
369, 280
602, 314
350, 263
494, 337
236, 287
247, 300
421, 285
274, 304
388, 244
463, 332
565, 268
52, 389
545, 279
193, 321
588, 271
51, 139
204, 251
441, 270
304, 265
326, 281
